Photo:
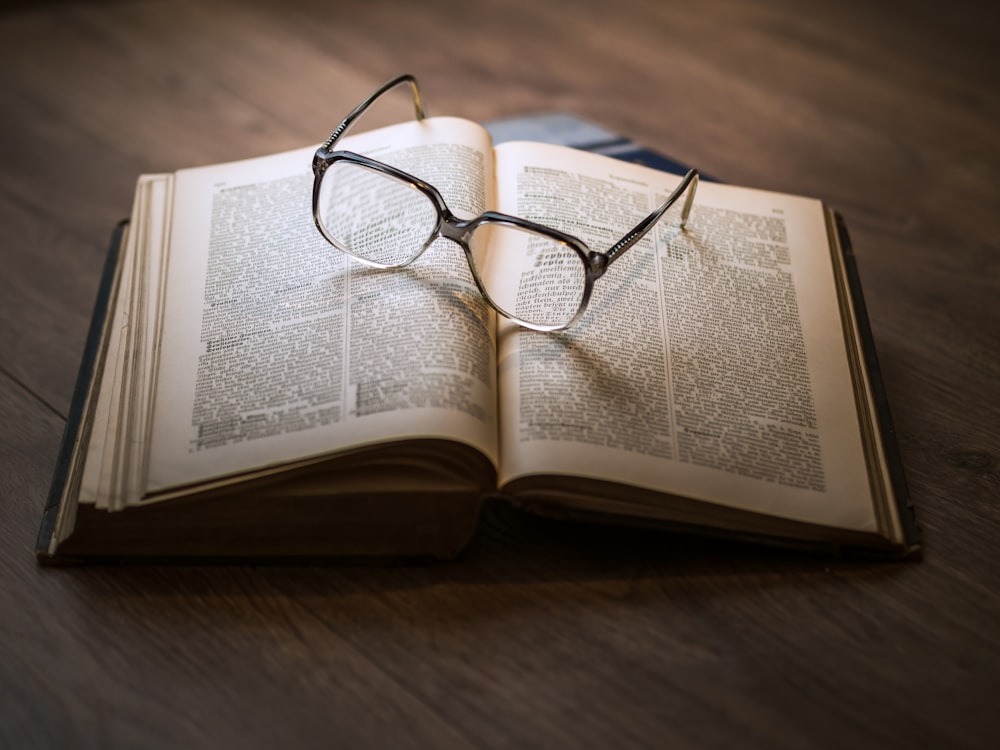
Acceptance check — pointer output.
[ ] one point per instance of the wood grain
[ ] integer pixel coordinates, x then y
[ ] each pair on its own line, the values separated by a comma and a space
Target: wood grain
542, 635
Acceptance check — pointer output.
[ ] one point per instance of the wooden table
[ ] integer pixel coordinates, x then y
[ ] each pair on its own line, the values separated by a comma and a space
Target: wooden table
542, 636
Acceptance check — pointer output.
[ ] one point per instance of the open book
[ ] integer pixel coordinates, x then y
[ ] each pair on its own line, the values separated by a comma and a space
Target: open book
251, 392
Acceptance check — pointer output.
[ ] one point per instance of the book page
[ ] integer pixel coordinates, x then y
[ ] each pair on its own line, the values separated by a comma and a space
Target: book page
118, 404
276, 346
710, 363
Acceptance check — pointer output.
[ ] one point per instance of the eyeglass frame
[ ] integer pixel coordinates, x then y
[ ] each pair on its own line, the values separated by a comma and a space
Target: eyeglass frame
458, 230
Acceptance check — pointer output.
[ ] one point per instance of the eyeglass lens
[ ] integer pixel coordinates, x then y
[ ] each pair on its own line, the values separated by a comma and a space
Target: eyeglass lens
529, 276
373, 216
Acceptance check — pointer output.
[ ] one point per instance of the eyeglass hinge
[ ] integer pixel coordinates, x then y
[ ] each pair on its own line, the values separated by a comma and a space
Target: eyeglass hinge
597, 263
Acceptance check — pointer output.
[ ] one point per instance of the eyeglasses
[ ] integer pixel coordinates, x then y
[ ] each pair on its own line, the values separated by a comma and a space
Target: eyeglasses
536, 275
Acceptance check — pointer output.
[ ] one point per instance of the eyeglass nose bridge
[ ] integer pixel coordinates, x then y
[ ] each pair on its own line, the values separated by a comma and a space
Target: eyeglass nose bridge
460, 232
455, 229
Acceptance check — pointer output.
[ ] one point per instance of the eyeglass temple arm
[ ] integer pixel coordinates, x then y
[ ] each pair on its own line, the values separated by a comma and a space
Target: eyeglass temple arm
639, 230
418, 106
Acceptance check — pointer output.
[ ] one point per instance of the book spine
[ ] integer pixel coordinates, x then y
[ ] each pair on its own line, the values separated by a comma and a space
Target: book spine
74, 419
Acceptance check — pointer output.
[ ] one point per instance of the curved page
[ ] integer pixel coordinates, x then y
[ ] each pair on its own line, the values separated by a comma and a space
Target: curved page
277, 347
